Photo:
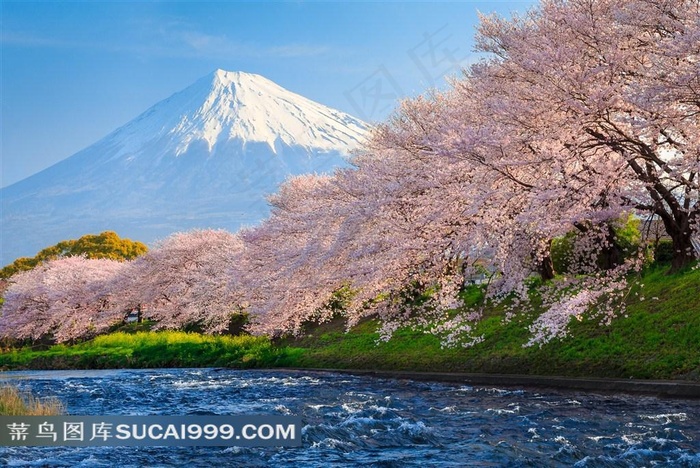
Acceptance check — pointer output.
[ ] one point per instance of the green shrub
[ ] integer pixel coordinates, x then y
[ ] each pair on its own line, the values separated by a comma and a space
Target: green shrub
663, 252
627, 237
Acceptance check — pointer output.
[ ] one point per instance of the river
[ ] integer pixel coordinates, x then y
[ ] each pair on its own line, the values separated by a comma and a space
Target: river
354, 420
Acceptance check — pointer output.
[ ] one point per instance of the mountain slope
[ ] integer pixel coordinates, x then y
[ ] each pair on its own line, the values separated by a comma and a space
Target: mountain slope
205, 157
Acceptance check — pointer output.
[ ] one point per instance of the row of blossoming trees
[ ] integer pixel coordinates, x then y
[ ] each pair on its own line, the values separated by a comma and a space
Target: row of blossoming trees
586, 111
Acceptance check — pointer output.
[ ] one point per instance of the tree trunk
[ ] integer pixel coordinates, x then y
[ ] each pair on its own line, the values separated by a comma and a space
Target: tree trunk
678, 228
612, 255
546, 266
683, 251
675, 212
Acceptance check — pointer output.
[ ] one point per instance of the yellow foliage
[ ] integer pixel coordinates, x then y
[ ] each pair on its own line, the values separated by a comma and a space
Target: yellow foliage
104, 245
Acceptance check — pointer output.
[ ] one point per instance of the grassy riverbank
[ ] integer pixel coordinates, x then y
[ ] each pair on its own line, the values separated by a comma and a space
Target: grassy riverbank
659, 339
146, 349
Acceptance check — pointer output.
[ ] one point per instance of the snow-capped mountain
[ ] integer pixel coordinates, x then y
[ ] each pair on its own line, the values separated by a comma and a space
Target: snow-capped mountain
205, 157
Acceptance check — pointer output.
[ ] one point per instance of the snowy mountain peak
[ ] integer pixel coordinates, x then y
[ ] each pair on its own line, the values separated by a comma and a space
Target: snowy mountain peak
243, 107
252, 109
238, 78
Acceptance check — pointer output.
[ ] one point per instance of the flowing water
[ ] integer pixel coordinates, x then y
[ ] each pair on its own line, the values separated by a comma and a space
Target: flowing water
352, 421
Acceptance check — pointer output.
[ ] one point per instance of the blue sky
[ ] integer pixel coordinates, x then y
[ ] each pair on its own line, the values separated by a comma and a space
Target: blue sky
72, 72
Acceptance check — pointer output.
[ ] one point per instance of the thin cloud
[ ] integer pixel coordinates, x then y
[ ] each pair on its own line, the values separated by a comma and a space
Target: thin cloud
196, 43
165, 42
22, 39
298, 50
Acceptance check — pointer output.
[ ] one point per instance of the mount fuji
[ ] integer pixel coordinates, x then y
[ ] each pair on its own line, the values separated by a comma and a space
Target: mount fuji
204, 158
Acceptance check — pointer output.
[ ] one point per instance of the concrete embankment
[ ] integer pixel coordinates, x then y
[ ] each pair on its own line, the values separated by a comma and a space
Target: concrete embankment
663, 388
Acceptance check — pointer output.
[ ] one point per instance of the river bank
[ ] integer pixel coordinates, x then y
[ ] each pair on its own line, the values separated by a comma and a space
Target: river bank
659, 388
658, 340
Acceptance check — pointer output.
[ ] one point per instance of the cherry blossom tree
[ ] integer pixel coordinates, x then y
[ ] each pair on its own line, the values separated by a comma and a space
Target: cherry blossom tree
376, 230
285, 271
183, 281
603, 98
586, 112
63, 300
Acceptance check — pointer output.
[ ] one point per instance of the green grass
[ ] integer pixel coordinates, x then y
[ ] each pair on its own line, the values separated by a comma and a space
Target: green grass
150, 350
